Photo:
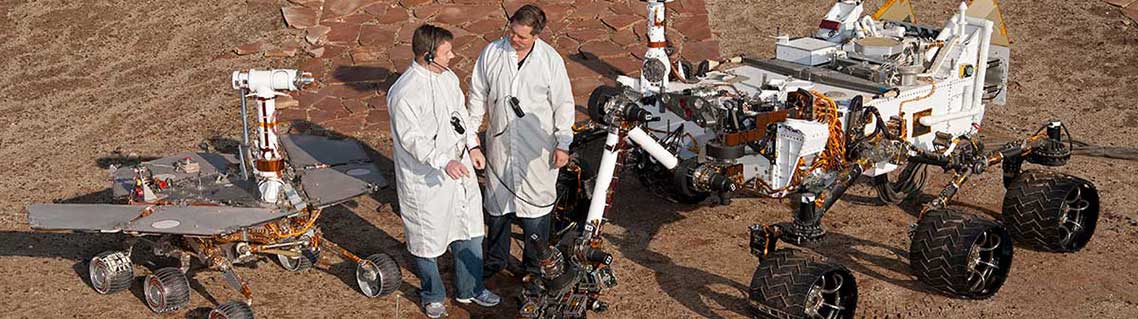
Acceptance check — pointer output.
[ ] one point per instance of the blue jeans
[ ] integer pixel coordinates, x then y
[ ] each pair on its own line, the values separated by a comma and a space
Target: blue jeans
467, 268
498, 250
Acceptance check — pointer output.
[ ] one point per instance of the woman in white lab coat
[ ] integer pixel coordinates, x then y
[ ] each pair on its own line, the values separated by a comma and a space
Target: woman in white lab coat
521, 84
435, 153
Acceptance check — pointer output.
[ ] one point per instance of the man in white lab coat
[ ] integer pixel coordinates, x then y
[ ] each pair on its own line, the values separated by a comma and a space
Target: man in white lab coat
520, 83
435, 154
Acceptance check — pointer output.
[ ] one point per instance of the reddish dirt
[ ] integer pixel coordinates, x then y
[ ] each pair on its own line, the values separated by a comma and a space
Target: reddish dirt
86, 78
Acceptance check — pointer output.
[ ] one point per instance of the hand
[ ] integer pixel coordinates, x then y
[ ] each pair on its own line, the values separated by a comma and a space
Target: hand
560, 158
456, 170
477, 158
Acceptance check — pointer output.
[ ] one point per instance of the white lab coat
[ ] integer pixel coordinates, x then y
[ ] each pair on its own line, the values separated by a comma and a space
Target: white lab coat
520, 150
435, 208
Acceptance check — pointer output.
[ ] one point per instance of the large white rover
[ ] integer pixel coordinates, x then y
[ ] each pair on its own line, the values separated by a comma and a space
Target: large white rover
863, 96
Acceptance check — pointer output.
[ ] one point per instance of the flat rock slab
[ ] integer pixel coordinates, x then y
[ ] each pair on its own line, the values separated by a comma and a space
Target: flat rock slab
365, 37
300, 17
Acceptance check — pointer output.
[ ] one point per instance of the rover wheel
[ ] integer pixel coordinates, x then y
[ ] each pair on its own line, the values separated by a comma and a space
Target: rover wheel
960, 254
788, 284
897, 186
295, 264
167, 290
378, 275
1051, 211
682, 190
110, 272
232, 310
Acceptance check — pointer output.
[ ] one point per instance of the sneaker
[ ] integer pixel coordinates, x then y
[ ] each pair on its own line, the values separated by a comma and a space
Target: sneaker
435, 310
485, 299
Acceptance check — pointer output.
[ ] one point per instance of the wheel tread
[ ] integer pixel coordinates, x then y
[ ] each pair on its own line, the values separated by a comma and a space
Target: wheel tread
1031, 209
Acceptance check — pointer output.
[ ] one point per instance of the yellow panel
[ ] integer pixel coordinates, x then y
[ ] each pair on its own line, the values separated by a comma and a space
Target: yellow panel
990, 9
896, 10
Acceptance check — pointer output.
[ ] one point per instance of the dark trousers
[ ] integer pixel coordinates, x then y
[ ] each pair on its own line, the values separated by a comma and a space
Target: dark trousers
498, 242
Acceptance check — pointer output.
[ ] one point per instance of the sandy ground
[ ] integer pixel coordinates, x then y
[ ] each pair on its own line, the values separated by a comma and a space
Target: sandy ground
82, 79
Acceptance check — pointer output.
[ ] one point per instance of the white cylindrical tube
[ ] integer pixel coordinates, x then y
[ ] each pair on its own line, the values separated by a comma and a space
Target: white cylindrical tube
653, 148
266, 129
656, 15
604, 179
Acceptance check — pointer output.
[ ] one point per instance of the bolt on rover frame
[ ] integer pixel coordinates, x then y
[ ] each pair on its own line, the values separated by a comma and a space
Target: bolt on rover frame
206, 205
866, 95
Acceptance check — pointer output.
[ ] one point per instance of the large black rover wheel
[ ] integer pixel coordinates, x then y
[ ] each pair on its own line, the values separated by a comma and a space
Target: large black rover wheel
790, 284
1051, 211
902, 184
960, 254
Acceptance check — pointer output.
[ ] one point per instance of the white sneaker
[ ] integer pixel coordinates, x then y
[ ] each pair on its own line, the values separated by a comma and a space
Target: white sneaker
435, 310
485, 299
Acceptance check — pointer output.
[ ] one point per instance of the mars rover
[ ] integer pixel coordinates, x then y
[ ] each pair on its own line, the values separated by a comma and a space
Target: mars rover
206, 205
866, 95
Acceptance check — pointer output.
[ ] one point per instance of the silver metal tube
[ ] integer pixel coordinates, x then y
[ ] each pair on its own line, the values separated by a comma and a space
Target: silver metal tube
244, 136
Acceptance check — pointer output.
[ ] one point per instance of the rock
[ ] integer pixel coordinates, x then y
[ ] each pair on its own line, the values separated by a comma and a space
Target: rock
365, 54
625, 37
412, 3
593, 10
343, 7
555, 13
702, 50
621, 22
316, 52
308, 3
343, 32
565, 45
1121, 3
427, 11
315, 34
375, 35
300, 17
393, 15
359, 18
487, 25
1131, 12
332, 51
291, 45
459, 15
603, 49
286, 102
279, 53
248, 48
377, 9
695, 28
586, 35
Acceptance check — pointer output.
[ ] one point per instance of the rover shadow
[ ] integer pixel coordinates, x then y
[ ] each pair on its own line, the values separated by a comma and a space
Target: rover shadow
596, 64
847, 250
843, 248
690, 286
365, 78
117, 159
